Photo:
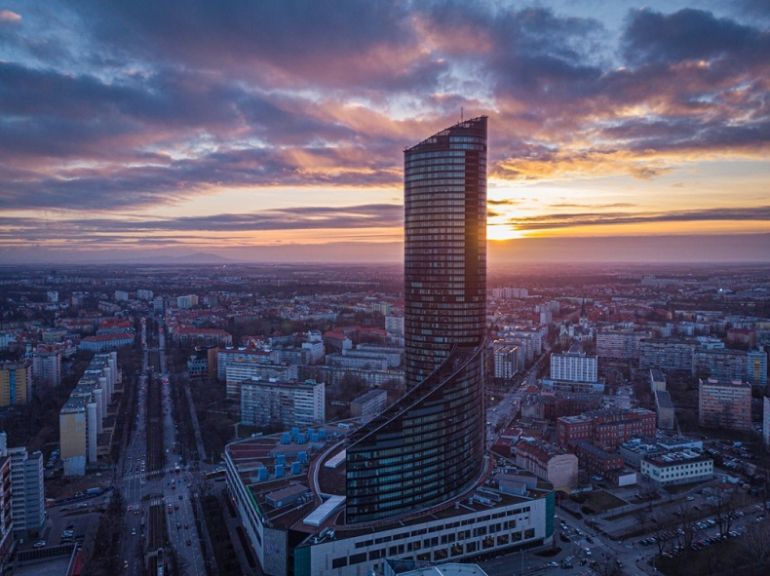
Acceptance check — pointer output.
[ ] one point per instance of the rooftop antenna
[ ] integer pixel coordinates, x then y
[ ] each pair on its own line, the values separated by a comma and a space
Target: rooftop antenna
461, 114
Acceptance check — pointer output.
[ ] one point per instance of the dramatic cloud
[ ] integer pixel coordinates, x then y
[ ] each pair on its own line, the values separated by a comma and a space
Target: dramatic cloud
572, 220
116, 230
127, 106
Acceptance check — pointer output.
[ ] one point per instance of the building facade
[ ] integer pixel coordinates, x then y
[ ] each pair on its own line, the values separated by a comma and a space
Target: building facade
445, 196
429, 445
369, 405
574, 366
287, 404
724, 405
15, 383
677, 467
27, 489
667, 355
607, 428
46, 367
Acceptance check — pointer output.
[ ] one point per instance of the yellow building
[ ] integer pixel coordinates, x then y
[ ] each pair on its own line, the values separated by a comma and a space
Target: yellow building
15, 383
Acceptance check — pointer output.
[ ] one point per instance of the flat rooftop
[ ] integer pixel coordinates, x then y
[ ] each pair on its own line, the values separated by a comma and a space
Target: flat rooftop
256, 459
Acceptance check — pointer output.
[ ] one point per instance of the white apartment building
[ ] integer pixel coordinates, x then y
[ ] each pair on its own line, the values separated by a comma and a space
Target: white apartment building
267, 402
574, 366
27, 489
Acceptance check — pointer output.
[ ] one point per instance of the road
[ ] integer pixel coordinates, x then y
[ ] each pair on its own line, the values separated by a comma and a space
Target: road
504, 412
174, 485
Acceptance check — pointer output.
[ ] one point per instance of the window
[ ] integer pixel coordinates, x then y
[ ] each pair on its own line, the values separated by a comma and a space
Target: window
340, 562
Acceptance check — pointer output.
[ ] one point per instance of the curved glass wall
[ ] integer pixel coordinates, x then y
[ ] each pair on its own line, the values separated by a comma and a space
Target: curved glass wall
429, 446
445, 196
424, 449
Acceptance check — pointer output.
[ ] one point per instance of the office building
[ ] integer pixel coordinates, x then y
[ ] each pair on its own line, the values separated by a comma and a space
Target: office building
281, 403
435, 433
27, 489
677, 467
15, 383
294, 529
369, 405
575, 366
724, 404
46, 367
121, 296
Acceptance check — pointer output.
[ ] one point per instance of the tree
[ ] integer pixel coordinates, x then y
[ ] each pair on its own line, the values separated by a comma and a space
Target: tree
725, 512
756, 543
687, 524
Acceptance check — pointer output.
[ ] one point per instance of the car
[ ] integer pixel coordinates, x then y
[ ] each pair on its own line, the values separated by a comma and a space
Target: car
553, 564
40, 544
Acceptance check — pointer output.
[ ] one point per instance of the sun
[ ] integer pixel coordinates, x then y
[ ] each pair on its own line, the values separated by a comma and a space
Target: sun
502, 232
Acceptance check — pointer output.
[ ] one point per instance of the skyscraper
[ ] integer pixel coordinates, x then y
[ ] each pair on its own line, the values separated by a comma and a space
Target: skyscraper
445, 259
429, 445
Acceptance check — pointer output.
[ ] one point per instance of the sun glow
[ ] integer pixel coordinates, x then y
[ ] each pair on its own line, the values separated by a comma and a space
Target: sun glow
502, 232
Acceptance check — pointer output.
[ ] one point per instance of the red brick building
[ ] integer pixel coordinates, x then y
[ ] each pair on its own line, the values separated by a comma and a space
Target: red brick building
606, 428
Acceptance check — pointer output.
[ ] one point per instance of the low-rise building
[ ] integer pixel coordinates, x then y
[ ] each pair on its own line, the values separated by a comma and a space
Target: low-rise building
547, 462
106, 342
598, 461
607, 428
678, 467
312, 537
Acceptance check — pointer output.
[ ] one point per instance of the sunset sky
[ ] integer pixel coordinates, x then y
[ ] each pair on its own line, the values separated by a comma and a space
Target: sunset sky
270, 130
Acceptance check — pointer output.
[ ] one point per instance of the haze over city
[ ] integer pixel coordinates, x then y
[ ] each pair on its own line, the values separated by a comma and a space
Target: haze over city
273, 131
384, 288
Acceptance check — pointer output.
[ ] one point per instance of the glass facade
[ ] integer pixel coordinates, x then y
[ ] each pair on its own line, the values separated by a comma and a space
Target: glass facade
445, 196
429, 445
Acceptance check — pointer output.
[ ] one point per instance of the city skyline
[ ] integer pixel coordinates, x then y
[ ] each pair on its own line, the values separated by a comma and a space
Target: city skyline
273, 132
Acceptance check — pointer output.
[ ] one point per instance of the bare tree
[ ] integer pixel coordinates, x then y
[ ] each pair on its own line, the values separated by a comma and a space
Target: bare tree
687, 524
660, 536
756, 542
725, 511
